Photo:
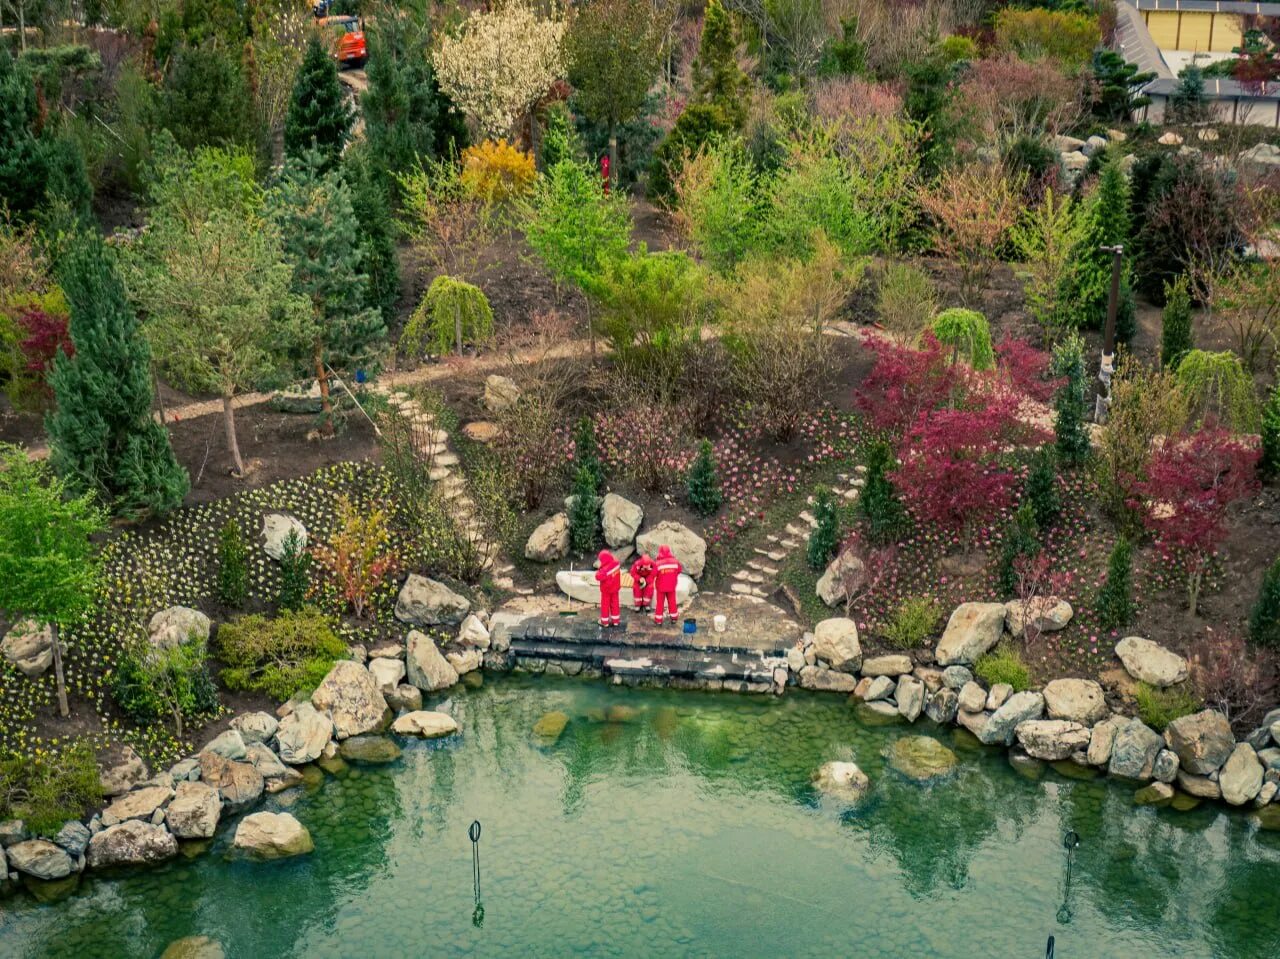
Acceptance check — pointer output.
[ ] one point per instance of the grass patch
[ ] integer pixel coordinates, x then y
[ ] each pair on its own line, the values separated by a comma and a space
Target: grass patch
45, 791
1004, 664
913, 623
1159, 707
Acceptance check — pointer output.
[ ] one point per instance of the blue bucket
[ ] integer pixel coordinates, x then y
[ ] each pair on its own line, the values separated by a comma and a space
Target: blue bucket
690, 625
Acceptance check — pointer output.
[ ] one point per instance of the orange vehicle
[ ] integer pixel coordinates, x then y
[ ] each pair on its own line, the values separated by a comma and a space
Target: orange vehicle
346, 39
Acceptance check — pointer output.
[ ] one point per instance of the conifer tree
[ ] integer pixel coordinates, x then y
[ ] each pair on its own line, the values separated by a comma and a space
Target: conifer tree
1070, 403
1264, 620
717, 78
319, 116
585, 513
1022, 539
880, 503
321, 243
295, 572
702, 484
1088, 287
371, 203
824, 538
233, 565
1042, 489
102, 436
1269, 464
586, 453
1175, 324
1114, 604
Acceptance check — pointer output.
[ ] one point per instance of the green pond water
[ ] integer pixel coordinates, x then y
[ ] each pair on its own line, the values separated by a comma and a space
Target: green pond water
690, 829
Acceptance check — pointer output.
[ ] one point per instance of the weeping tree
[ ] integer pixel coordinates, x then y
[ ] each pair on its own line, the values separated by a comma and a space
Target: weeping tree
968, 335
1219, 388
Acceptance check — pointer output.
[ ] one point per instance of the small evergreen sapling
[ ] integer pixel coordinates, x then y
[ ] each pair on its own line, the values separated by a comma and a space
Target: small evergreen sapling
702, 483
1114, 604
585, 513
1022, 539
233, 565
1175, 324
880, 504
825, 537
1070, 403
586, 452
295, 572
1270, 462
1264, 620
1041, 489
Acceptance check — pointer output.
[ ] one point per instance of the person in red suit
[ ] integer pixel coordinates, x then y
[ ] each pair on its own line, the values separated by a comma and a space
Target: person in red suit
642, 582
609, 576
666, 576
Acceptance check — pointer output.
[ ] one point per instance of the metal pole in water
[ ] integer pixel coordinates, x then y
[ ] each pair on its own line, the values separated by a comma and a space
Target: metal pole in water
1069, 842
1048, 952
477, 914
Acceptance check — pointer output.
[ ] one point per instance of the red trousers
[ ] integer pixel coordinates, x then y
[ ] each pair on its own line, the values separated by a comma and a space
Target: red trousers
642, 594
667, 598
610, 608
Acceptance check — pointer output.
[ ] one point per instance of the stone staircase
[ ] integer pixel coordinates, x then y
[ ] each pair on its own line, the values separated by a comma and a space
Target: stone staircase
759, 577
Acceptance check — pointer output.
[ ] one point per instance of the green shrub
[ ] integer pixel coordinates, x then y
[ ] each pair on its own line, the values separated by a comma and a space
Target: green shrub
1066, 36
584, 517
1003, 665
968, 335
880, 505
824, 540
451, 308
165, 684
233, 565
1041, 489
280, 656
906, 300
1270, 462
1159, 707
1175, 323
1114, 604
586, 452
1021, 540
45, 791
913, 623
1220, 388
702, 484
1070, 402
1264, 620
295, 572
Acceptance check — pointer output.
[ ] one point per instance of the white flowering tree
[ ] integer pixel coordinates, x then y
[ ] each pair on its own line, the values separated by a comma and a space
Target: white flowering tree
500, 63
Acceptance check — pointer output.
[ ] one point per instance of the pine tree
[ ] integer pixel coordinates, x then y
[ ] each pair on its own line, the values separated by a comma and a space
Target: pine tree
1188, 103
1269, 464
102, 436
1021, 540
1042, 489
319, 116
1070, 403
824, 538
233, 565
1087, 288
1114, 604
702, 484
321, 243
295, 572
371, 193
586, 453
880, 504
1175, 324
1264, 620
717, 79
585, 513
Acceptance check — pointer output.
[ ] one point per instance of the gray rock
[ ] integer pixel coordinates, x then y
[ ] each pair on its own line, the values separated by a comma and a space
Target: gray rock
303, 734
973, 698
1203, 741
73, 837
998, 695
427, 725
1073, 162
1045, 614
349, 696
464, 661
139, 804
472, 633
841, 574
404, 698
1067, 144
1052, 739
177, 625
369, 749
1269, 757
942, 706
1263, 158
620, 519
265, 761
880, 687
194, 811
910, 696
841, 780
1241, 776
228, 745
1267, 794
387, 673
426, 602
28, 647
239, 784
1095, 144
1202, 787
1018, 709
275, 530
549, 541
973, 629
1165, 768
1150, 662
688, 546
12, 831
40, 859
1133, 754
827, 680
131, 843
427, 668
893, 664
835, 642
255, 727
956, 677
270, 835
974, 722
500, 393
1101, 740
124, 773
1078, 700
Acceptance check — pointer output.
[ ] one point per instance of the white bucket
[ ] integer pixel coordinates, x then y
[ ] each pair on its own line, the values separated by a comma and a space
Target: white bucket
719, 622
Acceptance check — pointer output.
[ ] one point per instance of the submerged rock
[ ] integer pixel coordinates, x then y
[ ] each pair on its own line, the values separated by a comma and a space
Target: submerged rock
921, 758
842, 780
550, 727
269, 835
369, 749
194, 947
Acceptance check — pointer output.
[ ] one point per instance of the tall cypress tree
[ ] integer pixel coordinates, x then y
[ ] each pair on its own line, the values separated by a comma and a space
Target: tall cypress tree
1070, 403
371, 202
102, 436
717, 78
1088, 287
319, 115
1175, 324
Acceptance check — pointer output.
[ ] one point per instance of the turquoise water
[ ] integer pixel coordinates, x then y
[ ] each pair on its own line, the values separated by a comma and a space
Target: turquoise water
690, 829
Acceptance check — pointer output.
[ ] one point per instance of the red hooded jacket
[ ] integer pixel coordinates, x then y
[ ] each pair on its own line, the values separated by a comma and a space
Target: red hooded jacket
642, 570
668, 570
609, 575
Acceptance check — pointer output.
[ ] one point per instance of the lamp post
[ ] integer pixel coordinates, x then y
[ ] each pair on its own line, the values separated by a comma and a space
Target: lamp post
1107, 366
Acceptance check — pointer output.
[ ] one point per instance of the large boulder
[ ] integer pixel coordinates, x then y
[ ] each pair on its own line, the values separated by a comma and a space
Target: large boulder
921, 758
888, 664
272, 835
427, 668
500, 393
303, 734
122, 774
40, 859
841, 780
473, 633
425, 724
194, 947
620, 519
28, 647
1016, 710
1078, 700
255, 727
910, 696
826, 680
228, 744
276, 528
176, 625
973, 629
549, 541
349, 695
1052, 739
139, 804
194, 811
426, 602
464, 661
688, 546
131, 843
369, 749
835, 642
841, 574
1134, 749
1102, 739
239, 784
1203, 741
387, 673
1241, 777
1044, 614
1263, 158
1150, 662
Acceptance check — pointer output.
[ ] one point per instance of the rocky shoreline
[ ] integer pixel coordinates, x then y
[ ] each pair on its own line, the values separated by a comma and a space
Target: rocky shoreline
366, 702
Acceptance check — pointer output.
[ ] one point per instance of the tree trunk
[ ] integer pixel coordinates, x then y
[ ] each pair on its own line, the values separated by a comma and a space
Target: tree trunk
229, 423
613, 160
1193, 592
177, 722
322, 377
155, 387
63, 710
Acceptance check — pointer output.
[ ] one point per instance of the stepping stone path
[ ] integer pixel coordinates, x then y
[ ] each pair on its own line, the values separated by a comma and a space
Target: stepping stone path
453, 485
759, 577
